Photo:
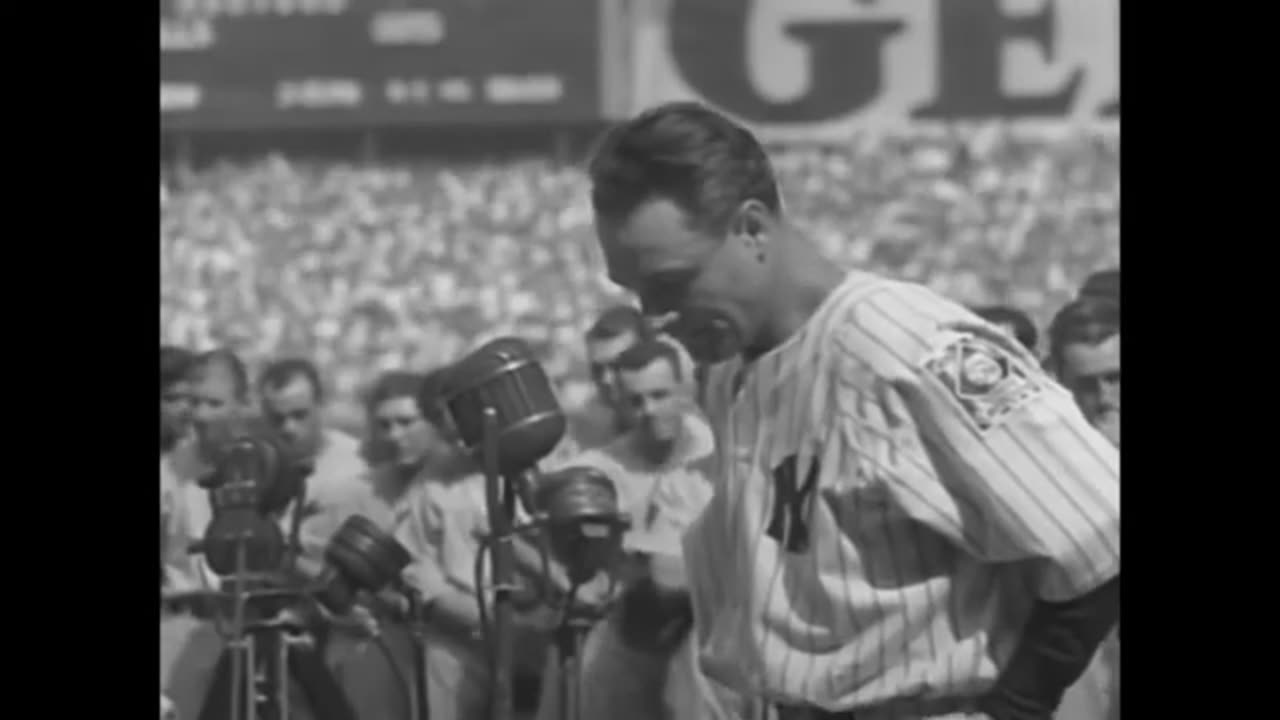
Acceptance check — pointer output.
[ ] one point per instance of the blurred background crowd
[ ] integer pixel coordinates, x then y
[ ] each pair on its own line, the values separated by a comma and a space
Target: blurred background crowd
368, 267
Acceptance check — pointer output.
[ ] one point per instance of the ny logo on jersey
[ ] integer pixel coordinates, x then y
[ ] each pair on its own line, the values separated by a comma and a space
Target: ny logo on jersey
789, 525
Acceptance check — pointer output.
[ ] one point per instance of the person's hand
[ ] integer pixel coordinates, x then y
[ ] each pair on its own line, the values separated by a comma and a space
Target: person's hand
359, 620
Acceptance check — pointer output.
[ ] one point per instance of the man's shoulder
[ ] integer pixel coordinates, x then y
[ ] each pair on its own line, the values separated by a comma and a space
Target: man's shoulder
591, 425
340, 465
342, 445
884, 326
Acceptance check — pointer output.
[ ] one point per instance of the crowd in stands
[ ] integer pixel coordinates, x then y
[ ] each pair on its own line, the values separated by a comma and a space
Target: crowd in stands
372, 268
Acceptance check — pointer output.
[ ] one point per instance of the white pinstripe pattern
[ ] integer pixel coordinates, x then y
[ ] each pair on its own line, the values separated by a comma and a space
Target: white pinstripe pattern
929, 538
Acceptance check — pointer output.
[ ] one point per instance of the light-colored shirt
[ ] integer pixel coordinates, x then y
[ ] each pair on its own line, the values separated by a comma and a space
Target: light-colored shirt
185, 514
336, 489
896, 485
442, 526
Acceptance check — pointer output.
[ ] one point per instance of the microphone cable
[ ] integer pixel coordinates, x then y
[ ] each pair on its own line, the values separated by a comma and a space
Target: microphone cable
406, 686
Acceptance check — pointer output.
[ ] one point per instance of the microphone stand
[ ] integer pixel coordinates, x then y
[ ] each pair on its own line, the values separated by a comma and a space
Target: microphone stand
256, 683
570, 636
500, 496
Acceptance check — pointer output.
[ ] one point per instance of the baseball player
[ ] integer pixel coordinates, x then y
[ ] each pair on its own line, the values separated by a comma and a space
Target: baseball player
909, 519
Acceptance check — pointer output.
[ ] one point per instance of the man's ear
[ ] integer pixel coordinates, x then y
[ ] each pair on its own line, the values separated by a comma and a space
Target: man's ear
751, 225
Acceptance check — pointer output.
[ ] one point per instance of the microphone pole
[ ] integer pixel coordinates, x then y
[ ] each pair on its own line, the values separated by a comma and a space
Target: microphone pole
501, 498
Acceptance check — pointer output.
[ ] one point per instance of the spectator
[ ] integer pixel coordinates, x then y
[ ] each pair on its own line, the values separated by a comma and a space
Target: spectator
1084, 352
1013, 321
175, 396
372, 268
1103, 284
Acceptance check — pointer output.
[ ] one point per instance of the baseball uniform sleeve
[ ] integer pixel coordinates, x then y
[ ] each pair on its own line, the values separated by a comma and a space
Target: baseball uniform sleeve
997, 456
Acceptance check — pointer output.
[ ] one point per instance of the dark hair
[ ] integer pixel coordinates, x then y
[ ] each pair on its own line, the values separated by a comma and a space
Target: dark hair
1104, 284
392, 386
282, 372
617, 321
697, 158
175, 365
1023, 329
230, 362
643, 354
1088, 320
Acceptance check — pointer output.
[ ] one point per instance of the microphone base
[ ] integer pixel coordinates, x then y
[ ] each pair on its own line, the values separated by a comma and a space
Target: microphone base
268, 660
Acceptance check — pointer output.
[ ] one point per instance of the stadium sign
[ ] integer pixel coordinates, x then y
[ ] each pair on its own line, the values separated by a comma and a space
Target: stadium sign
252, 64
818, 69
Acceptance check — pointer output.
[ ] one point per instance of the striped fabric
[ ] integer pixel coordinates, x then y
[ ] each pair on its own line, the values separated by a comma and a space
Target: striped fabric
895, 485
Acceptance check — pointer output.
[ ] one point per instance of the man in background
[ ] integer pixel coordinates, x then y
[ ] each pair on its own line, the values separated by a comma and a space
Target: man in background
189, 643
627, 657
292, 398
1104, 284
219, 386
399, 447
604, 418
175, 425
1013, 321
175, 396
1084, 354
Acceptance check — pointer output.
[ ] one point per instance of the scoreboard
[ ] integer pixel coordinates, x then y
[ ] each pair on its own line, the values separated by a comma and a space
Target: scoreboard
279, 64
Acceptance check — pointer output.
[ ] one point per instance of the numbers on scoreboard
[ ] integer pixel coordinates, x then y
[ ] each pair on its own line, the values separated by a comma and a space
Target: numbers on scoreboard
456, 90
408, 91
318, 93
179, 97
186, 35
253, 8
407, 27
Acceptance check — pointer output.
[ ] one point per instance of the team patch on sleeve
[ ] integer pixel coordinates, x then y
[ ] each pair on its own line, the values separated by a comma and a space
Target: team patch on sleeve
985, 379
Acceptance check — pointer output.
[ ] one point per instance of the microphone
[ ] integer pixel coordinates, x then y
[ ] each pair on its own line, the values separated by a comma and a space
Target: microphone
585, 527
503, 375
254, 479
252, 461
359, 557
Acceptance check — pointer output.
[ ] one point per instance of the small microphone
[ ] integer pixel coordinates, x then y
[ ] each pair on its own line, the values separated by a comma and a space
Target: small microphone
581, 507
360, 556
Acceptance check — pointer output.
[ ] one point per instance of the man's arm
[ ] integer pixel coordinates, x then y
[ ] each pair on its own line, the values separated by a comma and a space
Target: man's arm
422, 534
1032, 478
1005, 465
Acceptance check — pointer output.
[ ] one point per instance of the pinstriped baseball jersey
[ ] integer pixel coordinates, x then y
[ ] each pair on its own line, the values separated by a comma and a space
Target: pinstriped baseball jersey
895, 485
